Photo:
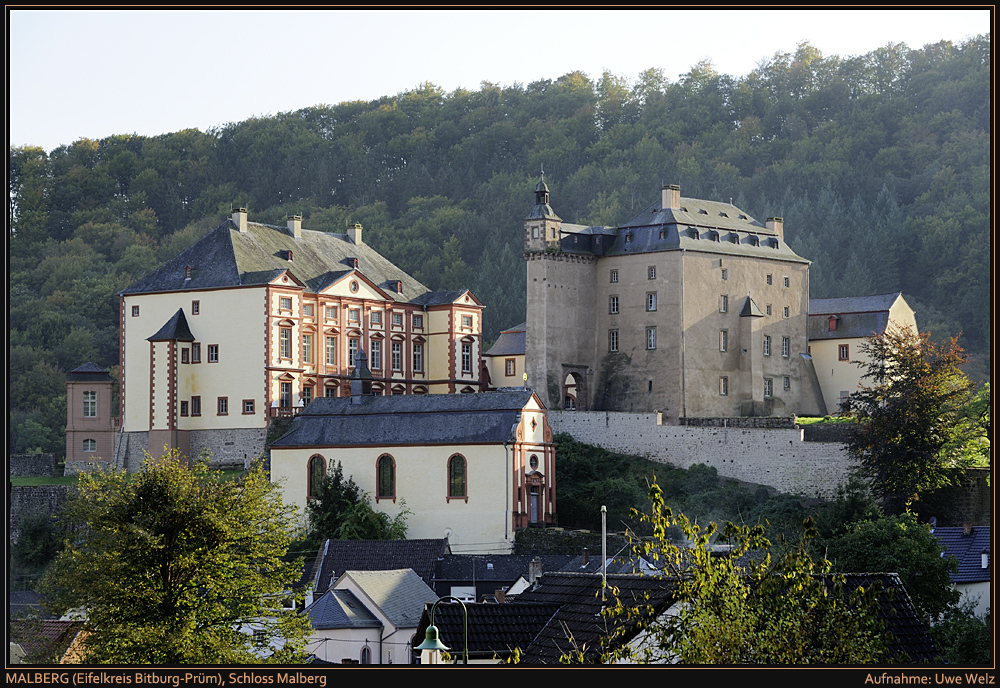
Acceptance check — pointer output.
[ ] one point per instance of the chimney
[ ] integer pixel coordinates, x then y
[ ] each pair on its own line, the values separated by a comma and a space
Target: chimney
354, 234
534, 570
670, 197
240, 219
295, 226
776, 225
584, 557
966, 528
501, 595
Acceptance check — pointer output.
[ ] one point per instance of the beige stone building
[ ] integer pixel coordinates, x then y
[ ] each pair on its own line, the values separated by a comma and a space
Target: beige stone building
505, 359
470, 467
254, 321
838, 327
692, 308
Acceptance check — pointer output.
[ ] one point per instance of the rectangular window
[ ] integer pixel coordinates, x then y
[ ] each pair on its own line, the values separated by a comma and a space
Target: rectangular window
90, 404
354, 315
612, 304
724, 303
331, 312
767, 345
397, 319
376, 318
723, 386
534, 232
786, 346
845, 352
651, 301
614, 278
397, 355
651, 272
248, 407
767, 309
418, 357
785, 281
466, 358
307, 395
612, 340
223, 406
352, 351
135, 311
185, 355
307, 310
376, 357
786, 382
285, 342
768, 388
723, 340
184, 408
768, 280
195, 406
196, 353
784, 312
725, 274
467, 322
285, 303
195, 307
418, 322
285, 397
330, 392
307, 349
331, 351
213, 353
650, 337
510, 367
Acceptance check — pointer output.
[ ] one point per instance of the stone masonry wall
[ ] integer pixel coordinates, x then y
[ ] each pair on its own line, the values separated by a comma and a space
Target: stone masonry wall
235, 448
777, 458
31, 465
27, 499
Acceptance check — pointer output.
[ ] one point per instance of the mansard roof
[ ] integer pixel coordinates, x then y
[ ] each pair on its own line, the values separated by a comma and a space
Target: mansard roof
486, 418
511, 342
225, 257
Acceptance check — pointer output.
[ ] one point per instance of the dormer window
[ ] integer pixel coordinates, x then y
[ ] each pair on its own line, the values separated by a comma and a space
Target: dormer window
723, 215
735, 237
355, 263
288, 256
399, 287
628, 237
833, 323
703, 212
695, 234
187, 272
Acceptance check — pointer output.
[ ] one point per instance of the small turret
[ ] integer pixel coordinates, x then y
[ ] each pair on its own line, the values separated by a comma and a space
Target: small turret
542, 225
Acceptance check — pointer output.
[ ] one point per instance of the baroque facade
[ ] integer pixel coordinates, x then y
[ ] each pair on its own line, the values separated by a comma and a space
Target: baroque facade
692, 308
254, 321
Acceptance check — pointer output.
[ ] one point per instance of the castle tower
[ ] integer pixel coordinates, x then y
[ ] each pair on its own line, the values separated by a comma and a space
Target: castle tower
542, 226
90, 427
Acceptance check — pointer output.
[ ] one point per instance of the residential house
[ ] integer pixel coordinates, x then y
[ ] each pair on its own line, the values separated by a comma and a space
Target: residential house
505, 359
973, 548
474, 578
254, 321
692, 308
469, 467
837, 331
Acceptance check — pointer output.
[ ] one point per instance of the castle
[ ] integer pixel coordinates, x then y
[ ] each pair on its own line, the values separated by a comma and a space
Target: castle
692, 309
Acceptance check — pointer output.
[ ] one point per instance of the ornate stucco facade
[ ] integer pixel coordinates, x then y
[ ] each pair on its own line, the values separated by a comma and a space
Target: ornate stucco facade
692, 308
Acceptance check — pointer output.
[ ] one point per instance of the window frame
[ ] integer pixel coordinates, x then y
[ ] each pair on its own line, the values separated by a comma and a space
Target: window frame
308, 311
510, 367
396, 355
786, 347
769, 280
418, 357
184, 409
375, 318
466, 322
90, 446
613, 304
418, 321
312, 490
285, 343
724, 303
785, 281
844, 352
768, 387
725, 274
613, 341
397, 319
307, 348
451, 476
251, 405
724, 386
332, 313
285, 303
195, 352
614, 276
651, 272
375, 354
90, 404
195, 406
213, 353
786, 382
135, 311
466, 358
650, 339
222, 406
185, 355
785, 312
650, 301
723, 341
767, 345
331, 347
390, 461
196, 307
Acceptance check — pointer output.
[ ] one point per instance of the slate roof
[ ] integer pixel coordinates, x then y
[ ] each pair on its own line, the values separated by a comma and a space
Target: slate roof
336, 556
853, 304
968, 550
694, 226
400, 594
176, 328
340, 609
88, 372
511, 342
750, 309
227, 258
44, 640
911, 641
502, 568
579, 617
494, 629
857, 316
407, 419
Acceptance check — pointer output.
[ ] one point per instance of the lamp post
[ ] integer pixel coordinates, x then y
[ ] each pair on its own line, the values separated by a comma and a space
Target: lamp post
432, 639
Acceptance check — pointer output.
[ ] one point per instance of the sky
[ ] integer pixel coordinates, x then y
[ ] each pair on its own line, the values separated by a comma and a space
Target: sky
94, 73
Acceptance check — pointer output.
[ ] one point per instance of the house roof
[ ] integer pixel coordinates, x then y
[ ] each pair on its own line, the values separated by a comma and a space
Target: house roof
968, 550
502, 568
44, 640
336, 556
340, 609
494, 629
578, 625
853, 304
857, 316
510, 342
911, 640
399, 594
407, 420
175, 329
89, 372
226, 257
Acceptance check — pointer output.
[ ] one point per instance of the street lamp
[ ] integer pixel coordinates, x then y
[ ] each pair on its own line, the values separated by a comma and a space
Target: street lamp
432, 640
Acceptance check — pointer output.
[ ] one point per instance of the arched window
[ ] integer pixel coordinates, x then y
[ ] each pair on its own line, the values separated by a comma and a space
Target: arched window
317, 471
385, 472
90, 445
456, 478
366, 655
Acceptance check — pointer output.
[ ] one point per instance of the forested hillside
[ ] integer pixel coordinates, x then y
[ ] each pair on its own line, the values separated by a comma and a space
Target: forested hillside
879, 164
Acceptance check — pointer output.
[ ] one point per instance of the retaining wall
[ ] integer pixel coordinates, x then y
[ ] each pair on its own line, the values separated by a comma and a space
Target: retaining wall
775, 457
27, 499
31, 465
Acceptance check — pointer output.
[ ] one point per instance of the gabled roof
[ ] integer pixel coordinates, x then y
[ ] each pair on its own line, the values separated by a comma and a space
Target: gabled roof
438, 298
911, 641
175, 329
44, 640
968, 549
857, 316
578, 625
494, 629
853, 304
400, 594
407, 420
340, 609
336, 556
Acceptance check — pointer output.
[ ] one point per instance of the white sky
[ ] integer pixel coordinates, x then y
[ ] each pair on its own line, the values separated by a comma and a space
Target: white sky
92, 73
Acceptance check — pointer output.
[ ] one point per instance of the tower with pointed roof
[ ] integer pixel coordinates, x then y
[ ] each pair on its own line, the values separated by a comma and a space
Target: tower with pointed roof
692, 308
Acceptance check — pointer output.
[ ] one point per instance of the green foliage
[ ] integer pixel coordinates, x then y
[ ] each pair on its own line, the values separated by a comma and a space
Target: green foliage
916, 431
964, 638
175, 566
755, 606
342, 511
